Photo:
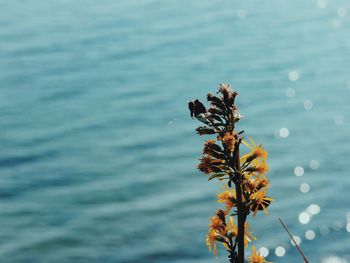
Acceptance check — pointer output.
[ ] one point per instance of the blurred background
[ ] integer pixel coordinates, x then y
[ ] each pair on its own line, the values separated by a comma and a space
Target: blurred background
98, 151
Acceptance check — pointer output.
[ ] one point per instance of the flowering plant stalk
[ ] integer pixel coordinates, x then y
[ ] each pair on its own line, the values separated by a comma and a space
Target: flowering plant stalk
245, 178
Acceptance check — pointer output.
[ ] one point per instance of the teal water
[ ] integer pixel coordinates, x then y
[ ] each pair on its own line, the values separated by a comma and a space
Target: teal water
98, 152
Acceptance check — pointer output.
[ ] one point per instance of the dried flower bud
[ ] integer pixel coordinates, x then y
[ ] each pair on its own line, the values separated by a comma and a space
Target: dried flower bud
228, 95
216, 111
237, 115
215, 101
215, 117
209, 165
213, 150
196, 107
205, 130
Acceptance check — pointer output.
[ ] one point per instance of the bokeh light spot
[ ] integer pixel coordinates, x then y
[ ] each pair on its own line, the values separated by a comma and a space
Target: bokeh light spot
297, 240
324, 231
304, 188
298, 171
333, 259
310, 234
337, 225
264, 251
293, 75
304, 218
290, 93
314, 164
313, 209
308, 104
322, 3
284, 132
348, 227
280, 251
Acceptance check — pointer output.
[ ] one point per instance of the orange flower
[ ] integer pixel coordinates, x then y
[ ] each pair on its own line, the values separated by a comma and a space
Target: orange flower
249, 185
255, 184
211, 241
229, 198
262, 168
229, 140
217, 231
232, 230
259, 201
257, 153
217, 225
260, 182
260, 152
248, 237
255, 257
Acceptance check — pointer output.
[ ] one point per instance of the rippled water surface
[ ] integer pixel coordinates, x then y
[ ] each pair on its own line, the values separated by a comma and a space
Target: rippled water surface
98, 152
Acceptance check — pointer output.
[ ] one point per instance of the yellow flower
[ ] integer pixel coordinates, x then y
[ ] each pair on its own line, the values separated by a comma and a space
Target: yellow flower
211, 241
257, 152
256, 258
262, 168
249, 184
217, 225
261, 182
229, 198
232, 230
217, 231
248, 237
259, 201
258, 183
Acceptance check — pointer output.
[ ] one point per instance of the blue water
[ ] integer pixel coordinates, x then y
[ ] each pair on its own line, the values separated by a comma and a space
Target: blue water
98, 152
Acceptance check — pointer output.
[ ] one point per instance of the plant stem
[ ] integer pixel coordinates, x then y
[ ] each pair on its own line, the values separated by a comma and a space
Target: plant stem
241, 216
241, 221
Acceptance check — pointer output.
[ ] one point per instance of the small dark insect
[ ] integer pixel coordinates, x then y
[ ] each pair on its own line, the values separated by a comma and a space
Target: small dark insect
196, 107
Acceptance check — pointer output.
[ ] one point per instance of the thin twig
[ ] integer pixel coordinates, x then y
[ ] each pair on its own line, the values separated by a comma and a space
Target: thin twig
295, 243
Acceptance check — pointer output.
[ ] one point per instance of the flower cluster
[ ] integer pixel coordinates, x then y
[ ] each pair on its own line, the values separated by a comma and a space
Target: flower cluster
225, 232
245, 178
